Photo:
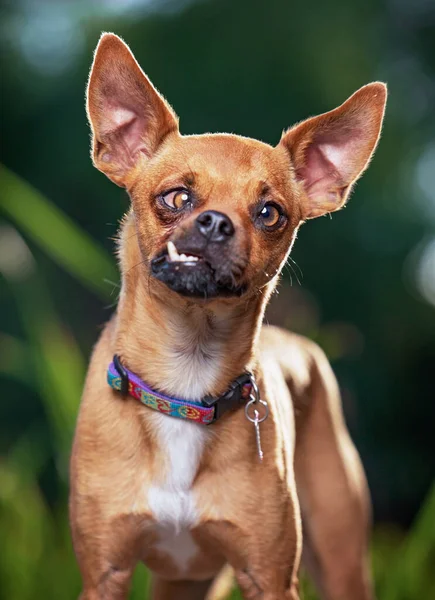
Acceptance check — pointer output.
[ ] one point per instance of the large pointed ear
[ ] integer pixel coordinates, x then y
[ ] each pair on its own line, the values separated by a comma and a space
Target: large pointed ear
331, 151
128, 116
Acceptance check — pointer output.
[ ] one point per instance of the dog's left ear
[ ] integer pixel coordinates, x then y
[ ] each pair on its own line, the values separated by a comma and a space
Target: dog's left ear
329, 152
128, 116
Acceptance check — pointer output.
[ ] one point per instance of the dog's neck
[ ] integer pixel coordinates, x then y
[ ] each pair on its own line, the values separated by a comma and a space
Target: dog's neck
180, 347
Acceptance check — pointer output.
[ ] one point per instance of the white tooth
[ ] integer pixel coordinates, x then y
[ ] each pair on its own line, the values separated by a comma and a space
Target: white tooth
175, 257
172, 252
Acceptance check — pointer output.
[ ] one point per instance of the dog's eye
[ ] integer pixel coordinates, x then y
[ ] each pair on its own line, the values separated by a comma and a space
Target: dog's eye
270, 215
176, 199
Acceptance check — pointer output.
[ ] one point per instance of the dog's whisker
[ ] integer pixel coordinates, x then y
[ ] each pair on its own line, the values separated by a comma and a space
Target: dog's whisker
292, 269
115, 286
286, 267
142, 262
297, 266
114, 283
112, 305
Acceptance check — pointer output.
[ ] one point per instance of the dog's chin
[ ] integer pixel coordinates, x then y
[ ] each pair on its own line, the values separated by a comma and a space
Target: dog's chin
195, 279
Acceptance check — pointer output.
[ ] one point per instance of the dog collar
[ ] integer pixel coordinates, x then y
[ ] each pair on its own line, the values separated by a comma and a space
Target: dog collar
204, 411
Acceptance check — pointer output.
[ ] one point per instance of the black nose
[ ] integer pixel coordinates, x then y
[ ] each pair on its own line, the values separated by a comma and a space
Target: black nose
215, 226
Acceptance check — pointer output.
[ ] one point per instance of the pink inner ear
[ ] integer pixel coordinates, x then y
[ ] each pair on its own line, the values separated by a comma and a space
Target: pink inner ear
318, 173
120, 116
126, 129
331, 162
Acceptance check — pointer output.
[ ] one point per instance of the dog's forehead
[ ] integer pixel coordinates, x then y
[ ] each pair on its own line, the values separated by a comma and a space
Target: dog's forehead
223, 156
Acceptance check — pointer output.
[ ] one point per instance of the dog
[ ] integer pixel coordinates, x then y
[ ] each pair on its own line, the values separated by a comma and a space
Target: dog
209, 446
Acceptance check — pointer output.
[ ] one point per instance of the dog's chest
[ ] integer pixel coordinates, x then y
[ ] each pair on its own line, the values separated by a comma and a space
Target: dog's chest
195, 361
171, 497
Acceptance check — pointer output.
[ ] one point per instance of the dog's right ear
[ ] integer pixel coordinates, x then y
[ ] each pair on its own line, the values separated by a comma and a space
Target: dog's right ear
128, 116
331, 151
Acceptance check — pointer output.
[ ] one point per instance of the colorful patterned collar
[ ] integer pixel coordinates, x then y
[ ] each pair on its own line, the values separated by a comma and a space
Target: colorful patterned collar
204, 411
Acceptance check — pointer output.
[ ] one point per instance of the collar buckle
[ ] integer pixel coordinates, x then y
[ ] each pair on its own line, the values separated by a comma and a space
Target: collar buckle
231, 398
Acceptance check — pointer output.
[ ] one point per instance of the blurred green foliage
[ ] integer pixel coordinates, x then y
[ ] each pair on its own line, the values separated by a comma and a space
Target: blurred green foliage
367, 295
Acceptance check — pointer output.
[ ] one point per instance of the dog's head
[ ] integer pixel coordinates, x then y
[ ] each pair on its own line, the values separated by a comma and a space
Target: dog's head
216, 215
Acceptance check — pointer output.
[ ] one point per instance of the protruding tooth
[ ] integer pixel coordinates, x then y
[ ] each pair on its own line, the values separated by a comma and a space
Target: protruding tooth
172, 252
175, 257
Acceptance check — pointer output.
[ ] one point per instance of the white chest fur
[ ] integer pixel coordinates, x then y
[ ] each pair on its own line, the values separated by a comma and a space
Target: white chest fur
172, 502
181, 442
195, 365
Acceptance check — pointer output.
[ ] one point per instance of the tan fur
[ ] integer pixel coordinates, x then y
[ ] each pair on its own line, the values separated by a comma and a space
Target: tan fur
245, 513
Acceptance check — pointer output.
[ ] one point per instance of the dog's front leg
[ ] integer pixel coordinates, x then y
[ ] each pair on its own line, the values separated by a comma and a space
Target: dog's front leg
255, 586
106, 554
103, 578
111, 584
264, 551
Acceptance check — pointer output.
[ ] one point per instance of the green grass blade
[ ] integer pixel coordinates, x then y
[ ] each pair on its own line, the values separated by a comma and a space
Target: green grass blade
62, 239
412, 574
53, 357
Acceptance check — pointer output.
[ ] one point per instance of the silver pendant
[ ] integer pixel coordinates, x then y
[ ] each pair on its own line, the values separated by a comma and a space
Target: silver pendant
252, 406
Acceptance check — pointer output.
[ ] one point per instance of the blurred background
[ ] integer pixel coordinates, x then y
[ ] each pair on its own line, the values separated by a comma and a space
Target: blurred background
361, 284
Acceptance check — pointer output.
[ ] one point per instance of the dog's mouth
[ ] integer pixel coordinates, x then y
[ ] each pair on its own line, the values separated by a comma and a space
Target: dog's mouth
188, 259
194, 274
171, 256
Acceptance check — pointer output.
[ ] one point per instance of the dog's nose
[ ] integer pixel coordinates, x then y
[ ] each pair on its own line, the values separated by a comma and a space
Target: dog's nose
215, 226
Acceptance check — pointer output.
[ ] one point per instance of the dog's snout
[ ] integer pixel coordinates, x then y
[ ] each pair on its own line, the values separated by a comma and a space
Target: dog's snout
215, 226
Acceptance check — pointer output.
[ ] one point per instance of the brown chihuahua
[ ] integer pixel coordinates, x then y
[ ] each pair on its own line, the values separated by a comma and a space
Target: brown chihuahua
207, 445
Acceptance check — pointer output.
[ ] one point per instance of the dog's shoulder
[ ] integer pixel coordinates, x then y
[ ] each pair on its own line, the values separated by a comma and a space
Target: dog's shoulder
278, 340
298, 357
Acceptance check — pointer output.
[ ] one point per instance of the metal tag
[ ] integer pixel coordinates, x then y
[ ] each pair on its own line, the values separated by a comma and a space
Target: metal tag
254, 403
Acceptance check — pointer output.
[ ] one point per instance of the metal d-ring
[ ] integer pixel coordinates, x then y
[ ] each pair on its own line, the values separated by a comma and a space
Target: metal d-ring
254, 401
